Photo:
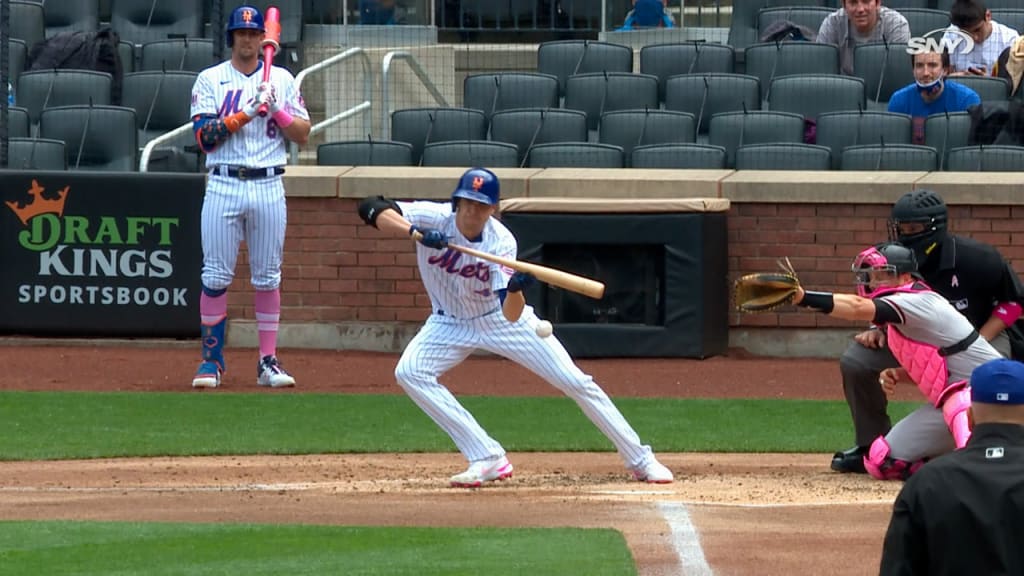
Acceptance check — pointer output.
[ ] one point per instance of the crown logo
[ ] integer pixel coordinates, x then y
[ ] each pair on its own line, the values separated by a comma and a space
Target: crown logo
39, 205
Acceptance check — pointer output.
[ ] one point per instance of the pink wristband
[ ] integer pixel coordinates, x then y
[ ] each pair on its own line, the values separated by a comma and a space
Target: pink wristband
1008, 312
283, 118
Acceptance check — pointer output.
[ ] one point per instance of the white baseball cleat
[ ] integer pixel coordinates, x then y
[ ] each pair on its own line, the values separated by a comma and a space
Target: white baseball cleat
271, 373
482, 471
653, 472
207, 376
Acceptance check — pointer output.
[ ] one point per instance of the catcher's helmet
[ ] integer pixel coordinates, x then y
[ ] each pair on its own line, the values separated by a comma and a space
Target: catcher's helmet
479, 184
924, 207
244, 17
891, 257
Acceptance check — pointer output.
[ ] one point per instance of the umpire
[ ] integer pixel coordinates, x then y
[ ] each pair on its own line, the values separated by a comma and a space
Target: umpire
972, 275
963, 513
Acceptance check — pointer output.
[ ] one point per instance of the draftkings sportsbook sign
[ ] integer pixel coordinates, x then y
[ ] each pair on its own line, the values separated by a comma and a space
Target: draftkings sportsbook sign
100, 254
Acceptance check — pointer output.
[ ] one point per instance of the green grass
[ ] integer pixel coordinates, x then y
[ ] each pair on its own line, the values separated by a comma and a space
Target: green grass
58, 425
109, 549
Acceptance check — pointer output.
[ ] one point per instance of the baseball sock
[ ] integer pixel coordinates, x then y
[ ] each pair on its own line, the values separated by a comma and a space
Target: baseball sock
268, 313
213, 311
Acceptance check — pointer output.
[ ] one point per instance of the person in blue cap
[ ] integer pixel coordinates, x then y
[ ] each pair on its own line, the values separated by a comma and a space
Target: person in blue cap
963, 513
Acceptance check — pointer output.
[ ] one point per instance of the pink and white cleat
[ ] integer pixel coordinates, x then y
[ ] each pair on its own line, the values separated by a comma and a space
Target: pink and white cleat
653, 472
482, 471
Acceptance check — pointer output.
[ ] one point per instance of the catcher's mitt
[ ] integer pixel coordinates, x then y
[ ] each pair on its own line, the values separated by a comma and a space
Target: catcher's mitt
764, 291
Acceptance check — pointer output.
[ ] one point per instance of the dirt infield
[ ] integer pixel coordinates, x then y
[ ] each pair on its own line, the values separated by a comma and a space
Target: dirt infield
726, 514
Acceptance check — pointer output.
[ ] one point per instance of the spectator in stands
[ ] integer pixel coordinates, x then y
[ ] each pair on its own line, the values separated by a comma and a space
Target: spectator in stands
862, 22
381, 12
931, 93
990, 38
1011, 66
648, 14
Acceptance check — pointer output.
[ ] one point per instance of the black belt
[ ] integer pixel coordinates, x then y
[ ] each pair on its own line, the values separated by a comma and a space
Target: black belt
245, 173
959, 346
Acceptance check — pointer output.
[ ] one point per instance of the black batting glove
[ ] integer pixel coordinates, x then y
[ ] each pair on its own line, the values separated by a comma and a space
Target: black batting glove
520, 281
430, 237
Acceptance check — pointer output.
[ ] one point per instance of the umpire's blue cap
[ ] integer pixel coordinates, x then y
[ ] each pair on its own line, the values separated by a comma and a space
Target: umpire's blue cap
480, 185
998, 382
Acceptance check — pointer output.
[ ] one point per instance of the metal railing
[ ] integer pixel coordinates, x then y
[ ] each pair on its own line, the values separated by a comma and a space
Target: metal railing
147, 151
385, 90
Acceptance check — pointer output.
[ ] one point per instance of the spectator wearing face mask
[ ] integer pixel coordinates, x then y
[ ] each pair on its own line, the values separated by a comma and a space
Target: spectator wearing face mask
931, 93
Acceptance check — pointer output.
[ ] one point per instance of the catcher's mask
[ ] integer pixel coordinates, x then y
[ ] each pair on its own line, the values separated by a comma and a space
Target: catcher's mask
876, 269
925, 214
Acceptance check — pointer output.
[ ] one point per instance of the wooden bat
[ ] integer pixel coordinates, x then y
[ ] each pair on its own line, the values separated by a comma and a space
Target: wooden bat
271, 44
553, 276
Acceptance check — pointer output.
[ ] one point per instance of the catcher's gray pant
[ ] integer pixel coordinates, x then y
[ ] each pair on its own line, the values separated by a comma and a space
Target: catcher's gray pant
860, 367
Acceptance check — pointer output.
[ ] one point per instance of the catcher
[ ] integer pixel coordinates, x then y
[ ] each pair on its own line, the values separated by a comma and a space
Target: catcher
937, 348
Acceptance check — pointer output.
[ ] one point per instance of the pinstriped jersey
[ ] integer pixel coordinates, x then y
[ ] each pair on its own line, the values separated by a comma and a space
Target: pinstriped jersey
222, 90
458, 284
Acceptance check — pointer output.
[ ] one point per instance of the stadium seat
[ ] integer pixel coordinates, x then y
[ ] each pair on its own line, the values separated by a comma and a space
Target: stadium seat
895, 157
469, 153
564, 58
126, 52
838, 130
190, 54
775, 59
16, 56
28, 23
923, 20
18, 122
36, 154
161, 101
364, 153
1012, 18
989, 88
808, 16
744, 22
667, 60
142, 21
944, 132
990, 4
575, 155
95, 137
70, 16
679, 156
775, 156
421, 126
734, 129
530, 127
705, 95
41, 89
595, 94
904, 4
628, 129
490, 93
885, 69
986, 159
814, 94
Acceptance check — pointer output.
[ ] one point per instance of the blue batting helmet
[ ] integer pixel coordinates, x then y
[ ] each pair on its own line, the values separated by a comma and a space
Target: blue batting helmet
478, 184
244, 17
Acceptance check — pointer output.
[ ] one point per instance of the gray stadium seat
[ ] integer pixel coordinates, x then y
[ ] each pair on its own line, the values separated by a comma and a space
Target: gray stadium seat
40, 89
813, 94
190, 54
990, 4
469, 153
490, 93
734, 129
989, 88
421, 126
1007, 17
744, 21
71, 16
529, 127
575, 155
837, 130
364, 153
564, 58
705, 95
775, 156
885, 69
95, 137
628, 129
923, 20
667, 60
126, 52
36, 154
19, 125
595, 94
679, 156
986, 159
161, 102
809, 16
945, 132
900, 5
142, 21
897, 157
16, 57
776, 59
28, 23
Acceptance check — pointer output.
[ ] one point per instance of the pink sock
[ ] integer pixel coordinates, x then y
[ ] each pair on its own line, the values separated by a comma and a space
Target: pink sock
268, 313
212, 308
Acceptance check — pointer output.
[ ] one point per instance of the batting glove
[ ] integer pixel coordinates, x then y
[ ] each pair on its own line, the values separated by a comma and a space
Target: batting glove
520, 281
252, 107
430, 237
268, 95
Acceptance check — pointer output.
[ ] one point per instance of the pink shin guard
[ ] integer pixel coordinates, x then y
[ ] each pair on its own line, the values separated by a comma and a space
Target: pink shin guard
881, 465
954, 411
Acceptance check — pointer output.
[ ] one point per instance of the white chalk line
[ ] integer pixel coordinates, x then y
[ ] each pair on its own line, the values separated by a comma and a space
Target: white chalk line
685, 539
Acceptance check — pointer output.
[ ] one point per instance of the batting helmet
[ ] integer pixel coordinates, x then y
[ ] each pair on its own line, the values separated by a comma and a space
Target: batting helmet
479, 184
244, 17
924, 207
891, 257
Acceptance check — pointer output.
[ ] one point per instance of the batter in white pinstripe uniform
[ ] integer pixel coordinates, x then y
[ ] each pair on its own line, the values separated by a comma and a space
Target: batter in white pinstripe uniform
245, 154
480, 305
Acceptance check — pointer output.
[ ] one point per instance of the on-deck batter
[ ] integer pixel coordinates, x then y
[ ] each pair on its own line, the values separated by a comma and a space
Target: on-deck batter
480, 305
244, 199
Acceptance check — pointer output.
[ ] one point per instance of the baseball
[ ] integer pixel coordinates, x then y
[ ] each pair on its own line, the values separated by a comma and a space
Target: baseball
544, 328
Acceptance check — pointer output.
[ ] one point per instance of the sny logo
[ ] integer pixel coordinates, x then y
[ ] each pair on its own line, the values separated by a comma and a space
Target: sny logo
951, 41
